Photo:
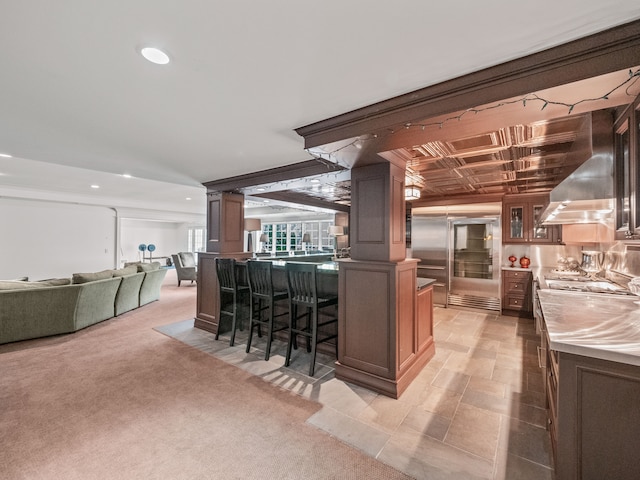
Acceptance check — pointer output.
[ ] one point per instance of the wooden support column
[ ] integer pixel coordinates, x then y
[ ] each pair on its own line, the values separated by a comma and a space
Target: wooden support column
225, 238
381, 344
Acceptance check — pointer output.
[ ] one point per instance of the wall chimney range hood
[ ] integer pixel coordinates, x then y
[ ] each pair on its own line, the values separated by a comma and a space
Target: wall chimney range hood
587, 194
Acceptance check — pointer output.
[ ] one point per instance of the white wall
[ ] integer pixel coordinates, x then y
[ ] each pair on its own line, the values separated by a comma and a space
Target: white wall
49, 239
42, 239
168, 237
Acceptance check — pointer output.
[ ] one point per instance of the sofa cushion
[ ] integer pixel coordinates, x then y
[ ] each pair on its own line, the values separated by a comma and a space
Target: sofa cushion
21, 279
54, 282
91, 277
127, 264
128, 270
148, 267
18, 285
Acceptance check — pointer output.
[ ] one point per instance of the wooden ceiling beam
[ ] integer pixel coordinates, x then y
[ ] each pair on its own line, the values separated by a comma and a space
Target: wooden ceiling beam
604, 52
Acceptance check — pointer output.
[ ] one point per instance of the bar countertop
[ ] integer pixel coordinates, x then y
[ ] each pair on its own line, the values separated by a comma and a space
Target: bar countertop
425, 282
334, 267
593, 325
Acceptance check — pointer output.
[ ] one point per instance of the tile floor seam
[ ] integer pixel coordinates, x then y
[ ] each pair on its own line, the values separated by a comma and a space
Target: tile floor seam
496, 465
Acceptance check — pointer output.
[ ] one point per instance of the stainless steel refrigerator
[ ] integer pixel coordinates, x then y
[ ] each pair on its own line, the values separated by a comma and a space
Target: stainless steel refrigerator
460, 248
429, 240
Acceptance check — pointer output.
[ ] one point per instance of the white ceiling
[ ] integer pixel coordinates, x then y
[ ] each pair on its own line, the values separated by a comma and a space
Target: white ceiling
75, 92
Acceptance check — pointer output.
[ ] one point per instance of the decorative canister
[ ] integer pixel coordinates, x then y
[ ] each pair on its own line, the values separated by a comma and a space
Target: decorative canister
525, 262
512, 259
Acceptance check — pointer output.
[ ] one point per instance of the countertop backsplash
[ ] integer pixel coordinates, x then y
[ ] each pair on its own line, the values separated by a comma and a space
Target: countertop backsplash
541, 255
622, 258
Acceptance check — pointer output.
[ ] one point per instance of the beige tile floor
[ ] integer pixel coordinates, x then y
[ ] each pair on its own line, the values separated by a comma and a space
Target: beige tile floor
475, 411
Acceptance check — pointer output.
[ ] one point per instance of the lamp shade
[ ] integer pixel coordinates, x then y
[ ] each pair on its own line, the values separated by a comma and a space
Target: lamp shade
306, 238
252, 224
336, 230
263, 237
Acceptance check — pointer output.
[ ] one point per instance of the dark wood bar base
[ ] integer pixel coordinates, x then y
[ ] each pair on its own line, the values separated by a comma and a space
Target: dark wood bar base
208, 296
384, 339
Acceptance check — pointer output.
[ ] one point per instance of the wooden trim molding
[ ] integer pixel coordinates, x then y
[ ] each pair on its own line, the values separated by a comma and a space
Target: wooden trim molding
278, 174
604, 52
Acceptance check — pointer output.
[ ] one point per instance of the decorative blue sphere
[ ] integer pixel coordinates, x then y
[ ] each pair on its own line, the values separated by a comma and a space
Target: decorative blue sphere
142, 247
151, 247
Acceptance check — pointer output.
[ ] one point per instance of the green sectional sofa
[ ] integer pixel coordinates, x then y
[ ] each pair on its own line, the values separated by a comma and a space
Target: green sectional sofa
52, 307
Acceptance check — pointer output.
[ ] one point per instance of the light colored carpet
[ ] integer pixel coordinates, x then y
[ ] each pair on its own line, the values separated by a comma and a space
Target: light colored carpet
120, 400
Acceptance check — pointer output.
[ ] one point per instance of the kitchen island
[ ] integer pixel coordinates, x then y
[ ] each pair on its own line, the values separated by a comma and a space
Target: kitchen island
208, 301
374, 352
591, 362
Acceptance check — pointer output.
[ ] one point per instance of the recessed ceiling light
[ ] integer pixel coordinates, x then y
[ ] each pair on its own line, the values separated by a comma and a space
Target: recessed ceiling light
5, 155
95, 186
126, 175
155, 55
188, 198
315, 180
261, 189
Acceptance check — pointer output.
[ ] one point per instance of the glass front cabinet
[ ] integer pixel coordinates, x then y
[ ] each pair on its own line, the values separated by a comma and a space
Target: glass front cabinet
521, 216
627, 172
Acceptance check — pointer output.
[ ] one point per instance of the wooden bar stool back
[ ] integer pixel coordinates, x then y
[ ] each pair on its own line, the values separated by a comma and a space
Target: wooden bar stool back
302, 283
263, 302
232, 292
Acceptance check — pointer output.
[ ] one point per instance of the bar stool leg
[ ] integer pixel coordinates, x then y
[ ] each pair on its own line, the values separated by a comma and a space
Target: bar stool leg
293, 313
269, 330
233, 322
313, 325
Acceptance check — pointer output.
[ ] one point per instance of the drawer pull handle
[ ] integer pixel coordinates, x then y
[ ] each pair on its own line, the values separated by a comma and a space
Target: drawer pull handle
540, 353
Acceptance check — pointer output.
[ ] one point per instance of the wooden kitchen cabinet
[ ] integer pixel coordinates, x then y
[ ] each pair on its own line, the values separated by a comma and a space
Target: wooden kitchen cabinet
517, 297
594, 420
593, 414
520, 216
627, 172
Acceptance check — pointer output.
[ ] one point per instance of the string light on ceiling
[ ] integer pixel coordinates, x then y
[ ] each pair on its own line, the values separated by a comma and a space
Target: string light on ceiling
359, 142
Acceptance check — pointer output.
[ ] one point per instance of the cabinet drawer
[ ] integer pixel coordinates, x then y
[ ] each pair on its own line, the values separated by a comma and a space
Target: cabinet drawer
516, 286
515, 275
515, 302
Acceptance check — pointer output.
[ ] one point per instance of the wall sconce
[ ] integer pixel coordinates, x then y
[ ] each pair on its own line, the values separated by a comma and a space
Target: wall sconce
251, 225
411, 192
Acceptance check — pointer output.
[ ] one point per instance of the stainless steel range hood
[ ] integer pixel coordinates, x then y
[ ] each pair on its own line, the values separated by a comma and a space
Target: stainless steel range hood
587, 194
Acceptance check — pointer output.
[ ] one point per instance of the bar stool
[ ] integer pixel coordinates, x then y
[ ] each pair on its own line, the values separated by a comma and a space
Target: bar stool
228, 282
263, 302
302, 286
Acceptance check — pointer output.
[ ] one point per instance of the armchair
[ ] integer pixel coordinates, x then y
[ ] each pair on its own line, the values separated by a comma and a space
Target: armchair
185, 264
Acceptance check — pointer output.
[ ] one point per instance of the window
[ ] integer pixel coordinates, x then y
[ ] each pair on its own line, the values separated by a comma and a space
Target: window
282, 237
195, 242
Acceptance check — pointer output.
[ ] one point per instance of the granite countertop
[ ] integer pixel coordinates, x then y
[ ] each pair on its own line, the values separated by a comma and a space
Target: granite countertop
425, 282
593, 325
519, 269
331, 266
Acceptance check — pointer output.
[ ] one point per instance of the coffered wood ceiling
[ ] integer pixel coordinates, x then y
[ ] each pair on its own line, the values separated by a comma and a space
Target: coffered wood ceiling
501, 148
